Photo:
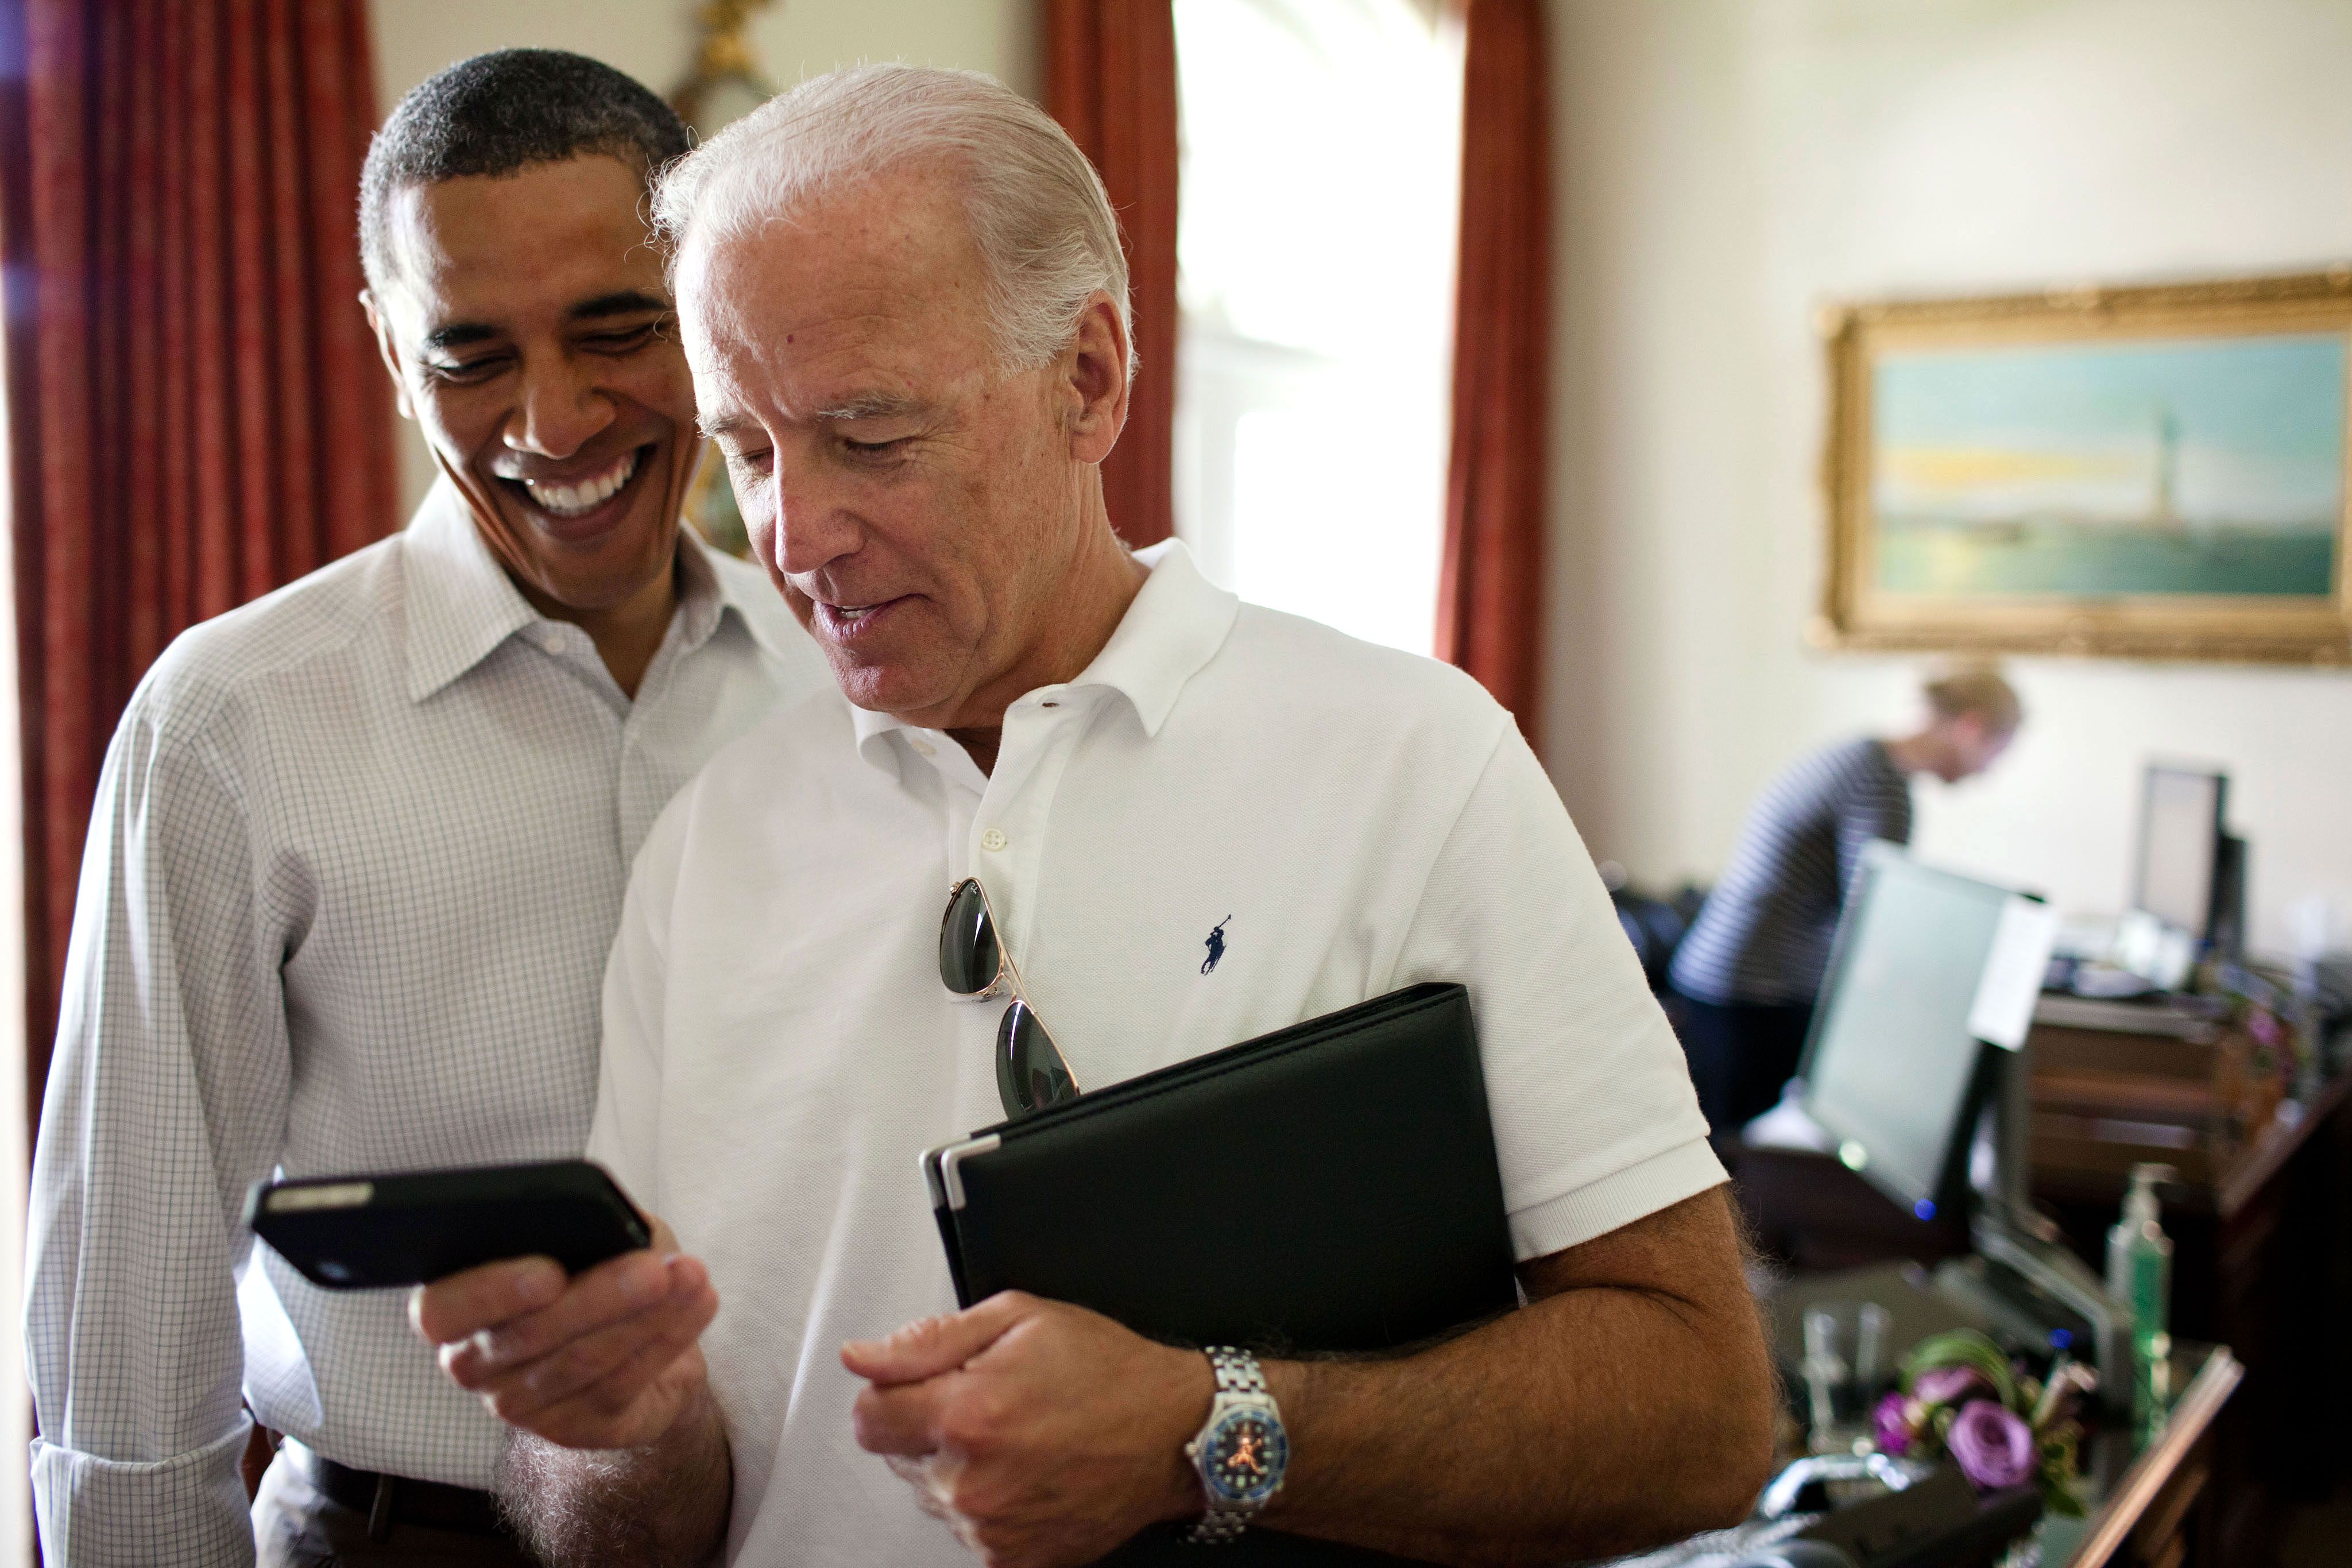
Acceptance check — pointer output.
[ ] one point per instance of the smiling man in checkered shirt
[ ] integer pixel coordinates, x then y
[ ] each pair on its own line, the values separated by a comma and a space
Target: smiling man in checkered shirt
358, 853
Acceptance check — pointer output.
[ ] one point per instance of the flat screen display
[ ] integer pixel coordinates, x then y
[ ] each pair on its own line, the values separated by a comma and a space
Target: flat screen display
2179, 839
1891, 1059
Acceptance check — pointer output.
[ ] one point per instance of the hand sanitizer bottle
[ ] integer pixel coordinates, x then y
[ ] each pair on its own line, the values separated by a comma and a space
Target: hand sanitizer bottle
2139, 1267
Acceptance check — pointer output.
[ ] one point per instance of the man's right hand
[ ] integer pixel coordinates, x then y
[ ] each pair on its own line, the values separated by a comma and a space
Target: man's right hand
609, 1359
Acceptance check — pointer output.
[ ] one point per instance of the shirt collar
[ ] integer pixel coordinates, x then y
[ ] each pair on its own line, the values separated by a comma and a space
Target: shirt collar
460, 602
462, 605
1178, 622
1175, 626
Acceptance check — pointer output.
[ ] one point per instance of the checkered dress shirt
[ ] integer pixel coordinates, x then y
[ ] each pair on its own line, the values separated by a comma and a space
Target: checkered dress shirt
356, 861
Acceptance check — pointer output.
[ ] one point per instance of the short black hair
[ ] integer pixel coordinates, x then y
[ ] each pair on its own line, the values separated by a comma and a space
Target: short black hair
501, 112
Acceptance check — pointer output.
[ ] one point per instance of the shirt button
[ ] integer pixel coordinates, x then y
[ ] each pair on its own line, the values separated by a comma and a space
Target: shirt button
994, 840
923, 748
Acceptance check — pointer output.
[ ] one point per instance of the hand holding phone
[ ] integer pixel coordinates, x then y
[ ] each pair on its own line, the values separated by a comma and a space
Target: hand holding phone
597, 1349
608, 1358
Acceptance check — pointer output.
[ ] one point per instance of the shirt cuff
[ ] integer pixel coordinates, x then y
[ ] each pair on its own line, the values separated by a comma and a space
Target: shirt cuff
186, 1512
1617, 1199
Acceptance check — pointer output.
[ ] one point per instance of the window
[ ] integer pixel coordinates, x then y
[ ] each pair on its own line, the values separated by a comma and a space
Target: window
1315, 243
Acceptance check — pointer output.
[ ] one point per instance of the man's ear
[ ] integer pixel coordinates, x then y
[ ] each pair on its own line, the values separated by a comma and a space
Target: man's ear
390, 352
1094, 368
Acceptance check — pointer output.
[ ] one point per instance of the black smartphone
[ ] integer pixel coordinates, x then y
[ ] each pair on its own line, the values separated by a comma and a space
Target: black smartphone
359, 1232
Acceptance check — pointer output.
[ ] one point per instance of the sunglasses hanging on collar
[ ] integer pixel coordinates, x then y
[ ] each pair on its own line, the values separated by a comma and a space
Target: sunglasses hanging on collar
1031, 1073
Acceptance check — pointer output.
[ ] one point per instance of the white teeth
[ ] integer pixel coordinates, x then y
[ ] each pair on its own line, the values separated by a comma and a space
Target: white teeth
572, 500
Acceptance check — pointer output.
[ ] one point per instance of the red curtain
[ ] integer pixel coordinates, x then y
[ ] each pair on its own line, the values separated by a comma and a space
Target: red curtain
1490, 585
196, 414
1110, 79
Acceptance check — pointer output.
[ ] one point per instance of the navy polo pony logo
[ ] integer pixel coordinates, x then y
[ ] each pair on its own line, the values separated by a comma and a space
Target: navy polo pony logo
1216, 945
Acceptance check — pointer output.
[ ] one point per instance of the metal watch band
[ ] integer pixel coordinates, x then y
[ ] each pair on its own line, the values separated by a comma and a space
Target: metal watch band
1238, 1377
1219, 1527
1237, 1369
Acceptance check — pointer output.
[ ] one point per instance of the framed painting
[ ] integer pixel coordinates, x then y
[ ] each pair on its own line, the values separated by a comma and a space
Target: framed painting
2147, 472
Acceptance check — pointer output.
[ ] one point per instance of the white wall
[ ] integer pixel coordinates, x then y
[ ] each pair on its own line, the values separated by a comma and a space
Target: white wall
653, 40
1724, 166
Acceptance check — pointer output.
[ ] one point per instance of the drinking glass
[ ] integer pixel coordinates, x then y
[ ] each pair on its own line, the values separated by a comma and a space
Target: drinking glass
1845, 1357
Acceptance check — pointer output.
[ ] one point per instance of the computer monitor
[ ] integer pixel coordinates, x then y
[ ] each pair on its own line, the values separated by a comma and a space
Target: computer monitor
1894, 1070
2182, 859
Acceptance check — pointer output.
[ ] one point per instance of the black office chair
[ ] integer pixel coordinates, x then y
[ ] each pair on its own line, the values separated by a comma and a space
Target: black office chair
1655, 926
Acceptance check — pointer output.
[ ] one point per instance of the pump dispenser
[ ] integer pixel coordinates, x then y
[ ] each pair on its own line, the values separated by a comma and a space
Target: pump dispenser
2139, 1264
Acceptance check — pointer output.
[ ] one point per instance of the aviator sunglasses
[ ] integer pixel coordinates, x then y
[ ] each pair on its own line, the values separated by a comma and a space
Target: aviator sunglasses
1030, 1071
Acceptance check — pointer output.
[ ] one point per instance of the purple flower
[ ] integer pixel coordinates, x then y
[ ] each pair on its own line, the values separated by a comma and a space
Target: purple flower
1892, 1416
1993, 1446
1948, 1385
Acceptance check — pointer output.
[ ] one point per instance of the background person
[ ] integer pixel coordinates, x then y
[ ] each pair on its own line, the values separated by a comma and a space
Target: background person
359, 852
905, 300
1745, 976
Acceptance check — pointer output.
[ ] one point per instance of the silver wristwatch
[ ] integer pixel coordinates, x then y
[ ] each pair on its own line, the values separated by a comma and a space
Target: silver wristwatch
1241, 1451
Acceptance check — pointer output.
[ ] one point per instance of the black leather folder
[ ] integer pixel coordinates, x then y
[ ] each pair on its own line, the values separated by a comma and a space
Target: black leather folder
1327, 1188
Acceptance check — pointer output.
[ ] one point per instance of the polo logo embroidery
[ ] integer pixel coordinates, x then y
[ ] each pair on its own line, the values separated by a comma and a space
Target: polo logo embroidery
1217, 944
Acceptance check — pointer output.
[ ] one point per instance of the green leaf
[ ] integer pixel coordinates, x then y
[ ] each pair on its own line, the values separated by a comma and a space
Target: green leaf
1963, 1347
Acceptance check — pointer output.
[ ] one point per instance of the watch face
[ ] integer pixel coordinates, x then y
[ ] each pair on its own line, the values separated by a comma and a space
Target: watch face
1243, 1457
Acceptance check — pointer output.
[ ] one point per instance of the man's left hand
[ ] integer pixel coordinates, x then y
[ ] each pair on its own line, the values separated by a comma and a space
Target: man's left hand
1042, 1433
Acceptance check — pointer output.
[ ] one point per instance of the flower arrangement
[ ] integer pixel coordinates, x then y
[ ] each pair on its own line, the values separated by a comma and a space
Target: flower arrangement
1960, 1398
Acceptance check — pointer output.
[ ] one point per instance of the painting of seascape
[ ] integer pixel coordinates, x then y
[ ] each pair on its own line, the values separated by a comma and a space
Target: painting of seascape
2148, 472
2102, 469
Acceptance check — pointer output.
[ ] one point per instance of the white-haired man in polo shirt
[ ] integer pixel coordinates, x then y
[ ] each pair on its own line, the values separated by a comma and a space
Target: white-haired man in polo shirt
903, 297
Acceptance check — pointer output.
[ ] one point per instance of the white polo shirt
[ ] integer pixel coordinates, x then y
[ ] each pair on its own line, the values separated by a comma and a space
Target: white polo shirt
779, 1049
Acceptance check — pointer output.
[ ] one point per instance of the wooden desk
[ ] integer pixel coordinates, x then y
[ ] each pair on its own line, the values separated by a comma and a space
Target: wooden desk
2262, 1226
2154, 1512
2262, 1263
2151, 1494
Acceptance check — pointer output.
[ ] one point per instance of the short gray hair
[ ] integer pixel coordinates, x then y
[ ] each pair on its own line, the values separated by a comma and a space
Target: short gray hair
1038, 212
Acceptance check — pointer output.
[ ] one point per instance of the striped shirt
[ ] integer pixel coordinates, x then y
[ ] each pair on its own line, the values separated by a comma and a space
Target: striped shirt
356, 863
1764, 936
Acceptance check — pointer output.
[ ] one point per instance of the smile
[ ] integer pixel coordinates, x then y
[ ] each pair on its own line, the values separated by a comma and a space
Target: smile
579, 499
847, 622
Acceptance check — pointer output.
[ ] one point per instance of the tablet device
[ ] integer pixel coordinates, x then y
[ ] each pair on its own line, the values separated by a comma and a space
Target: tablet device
360, 1232
1331, 1187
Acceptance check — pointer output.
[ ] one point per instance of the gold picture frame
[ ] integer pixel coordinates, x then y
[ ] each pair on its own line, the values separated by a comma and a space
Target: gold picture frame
2160, 472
